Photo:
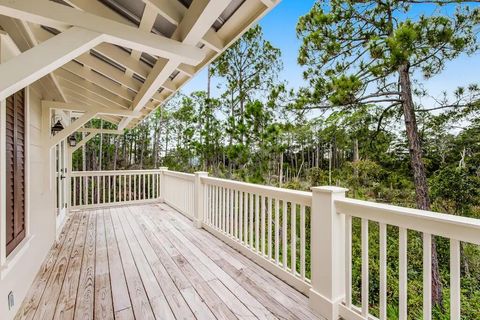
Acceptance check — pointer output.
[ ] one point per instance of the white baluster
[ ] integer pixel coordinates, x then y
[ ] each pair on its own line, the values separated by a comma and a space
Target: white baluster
454, 279
257, 222
383, 271
277, 231
365, 262
284, 235
302, 241
293, 238
262, 219
427, 276
269, 223
402, 294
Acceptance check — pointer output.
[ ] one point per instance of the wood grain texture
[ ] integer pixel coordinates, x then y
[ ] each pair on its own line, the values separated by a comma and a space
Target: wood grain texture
149, 262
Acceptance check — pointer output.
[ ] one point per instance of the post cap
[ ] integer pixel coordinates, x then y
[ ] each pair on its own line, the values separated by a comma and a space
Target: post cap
329, 189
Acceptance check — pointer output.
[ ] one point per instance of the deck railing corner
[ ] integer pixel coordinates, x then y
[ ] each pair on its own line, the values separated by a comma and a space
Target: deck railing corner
162, 170
327, 244
199, 194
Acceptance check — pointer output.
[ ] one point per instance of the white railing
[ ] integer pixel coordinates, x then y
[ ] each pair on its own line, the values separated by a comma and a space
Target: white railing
178, 191
455, 229
104, 188
269, 224
304, 238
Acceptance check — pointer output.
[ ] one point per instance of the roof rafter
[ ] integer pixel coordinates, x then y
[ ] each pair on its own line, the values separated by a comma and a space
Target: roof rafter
113, 73
195, 23
22, 37
33, 64
86, 98
60, 16
64, 75
89, 108
99, 80
117, 55
174, 11
88, 93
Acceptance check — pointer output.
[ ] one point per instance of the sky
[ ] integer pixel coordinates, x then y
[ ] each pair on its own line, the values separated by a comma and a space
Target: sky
279, 28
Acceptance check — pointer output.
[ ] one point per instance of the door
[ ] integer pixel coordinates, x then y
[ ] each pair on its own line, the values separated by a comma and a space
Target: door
61, 181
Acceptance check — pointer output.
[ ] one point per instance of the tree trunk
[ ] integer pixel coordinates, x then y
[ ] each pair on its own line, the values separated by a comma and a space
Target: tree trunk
100, 148
356, 155
418, 167
280, 174
330, 165
115, 154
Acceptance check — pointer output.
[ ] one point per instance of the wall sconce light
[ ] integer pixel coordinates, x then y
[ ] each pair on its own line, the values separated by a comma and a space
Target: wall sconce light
72, 140
57, 127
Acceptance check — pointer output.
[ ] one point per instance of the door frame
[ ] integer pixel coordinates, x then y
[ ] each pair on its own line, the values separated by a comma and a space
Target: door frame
61, 181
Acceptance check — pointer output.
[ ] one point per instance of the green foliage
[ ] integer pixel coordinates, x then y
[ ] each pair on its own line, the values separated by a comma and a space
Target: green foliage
456, 191
353, 47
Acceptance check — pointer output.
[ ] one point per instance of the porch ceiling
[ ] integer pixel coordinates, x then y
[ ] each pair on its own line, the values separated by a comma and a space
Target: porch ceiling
145, 49
148, 261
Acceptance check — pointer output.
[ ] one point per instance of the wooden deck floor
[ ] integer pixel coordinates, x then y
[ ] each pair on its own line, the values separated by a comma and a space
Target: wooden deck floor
149, 262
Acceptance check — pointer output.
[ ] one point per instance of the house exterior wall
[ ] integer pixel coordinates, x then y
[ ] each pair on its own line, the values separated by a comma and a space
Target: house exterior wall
18, 270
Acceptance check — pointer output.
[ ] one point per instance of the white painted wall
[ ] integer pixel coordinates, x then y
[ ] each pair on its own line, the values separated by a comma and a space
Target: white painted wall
22, 265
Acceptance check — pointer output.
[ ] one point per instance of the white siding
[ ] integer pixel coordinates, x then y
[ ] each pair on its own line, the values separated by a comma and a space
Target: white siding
17, 275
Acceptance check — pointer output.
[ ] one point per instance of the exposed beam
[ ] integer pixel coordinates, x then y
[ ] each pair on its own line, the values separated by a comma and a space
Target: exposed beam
213, 41
99, 80
62, 135
174, 12
93, 93
99, 9
118, 55
34, 42
82, 143
112, 119
113, 73
187, 69
89, 98
33, 64
105, 131
56, 15
89, 108
22, 36
269, 3
198, 20
62, 74
123, 58
195, 23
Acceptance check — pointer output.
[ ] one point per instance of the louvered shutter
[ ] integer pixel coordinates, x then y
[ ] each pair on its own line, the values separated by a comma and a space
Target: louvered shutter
15, 169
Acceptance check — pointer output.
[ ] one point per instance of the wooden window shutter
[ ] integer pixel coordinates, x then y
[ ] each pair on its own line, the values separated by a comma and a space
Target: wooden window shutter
15, 169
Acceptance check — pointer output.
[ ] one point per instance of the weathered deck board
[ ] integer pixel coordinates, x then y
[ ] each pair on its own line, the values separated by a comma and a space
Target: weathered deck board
149, 262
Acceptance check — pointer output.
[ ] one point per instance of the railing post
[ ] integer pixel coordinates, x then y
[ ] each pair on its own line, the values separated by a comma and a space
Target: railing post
199, 199
161, 197
327, 252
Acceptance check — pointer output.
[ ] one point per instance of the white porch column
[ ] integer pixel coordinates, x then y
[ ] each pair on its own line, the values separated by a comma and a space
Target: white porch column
327, 252
161, 198
199, 199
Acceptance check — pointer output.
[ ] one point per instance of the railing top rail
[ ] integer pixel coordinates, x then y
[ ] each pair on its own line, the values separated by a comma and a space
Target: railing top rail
181, 175
112, 172
295, 196
440, 224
